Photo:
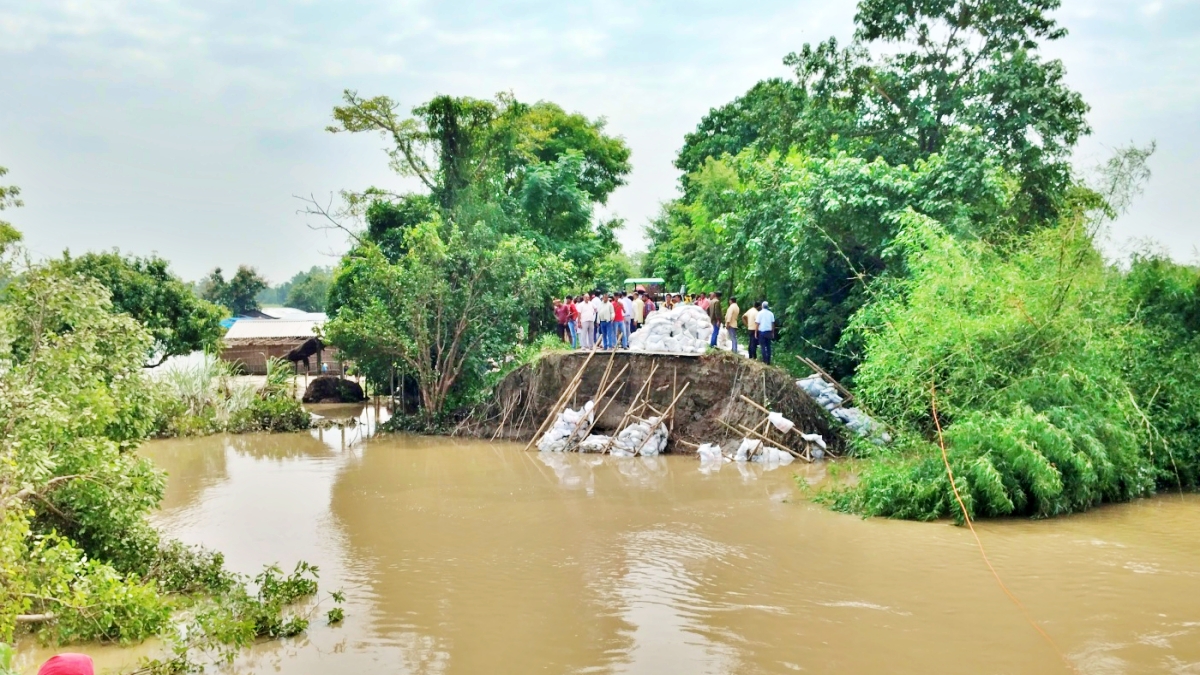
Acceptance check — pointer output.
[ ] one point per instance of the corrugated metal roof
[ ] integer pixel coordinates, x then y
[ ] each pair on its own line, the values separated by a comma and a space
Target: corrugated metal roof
249, 329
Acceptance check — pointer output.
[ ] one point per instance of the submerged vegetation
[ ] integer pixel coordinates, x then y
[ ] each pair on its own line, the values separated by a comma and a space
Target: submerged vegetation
204, 396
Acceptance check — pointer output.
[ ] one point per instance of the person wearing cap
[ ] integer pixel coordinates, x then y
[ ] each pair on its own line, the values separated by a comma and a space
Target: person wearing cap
766, 331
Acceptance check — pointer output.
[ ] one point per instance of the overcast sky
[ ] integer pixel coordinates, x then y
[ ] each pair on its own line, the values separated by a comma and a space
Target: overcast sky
185, 127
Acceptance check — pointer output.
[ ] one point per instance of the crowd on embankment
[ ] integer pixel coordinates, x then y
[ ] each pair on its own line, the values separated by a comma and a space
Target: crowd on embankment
607, 320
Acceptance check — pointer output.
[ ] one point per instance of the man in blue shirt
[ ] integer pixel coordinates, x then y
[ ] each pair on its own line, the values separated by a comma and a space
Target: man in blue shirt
766, 332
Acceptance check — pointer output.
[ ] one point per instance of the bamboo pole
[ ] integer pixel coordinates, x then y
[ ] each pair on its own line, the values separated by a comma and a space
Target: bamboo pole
670, 410
846, 395
629, 411
774, 443
595, 405
563, 397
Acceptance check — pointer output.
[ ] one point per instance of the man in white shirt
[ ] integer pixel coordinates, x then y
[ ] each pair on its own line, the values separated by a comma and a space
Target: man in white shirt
627, 307
587, 322
766, 331
596, 302
751, 319
639, 311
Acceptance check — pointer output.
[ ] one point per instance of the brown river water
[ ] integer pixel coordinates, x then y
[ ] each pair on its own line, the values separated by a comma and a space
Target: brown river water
471, 557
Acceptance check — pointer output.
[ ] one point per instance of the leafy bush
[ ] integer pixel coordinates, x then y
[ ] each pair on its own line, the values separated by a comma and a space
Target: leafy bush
274, 414
1027, 352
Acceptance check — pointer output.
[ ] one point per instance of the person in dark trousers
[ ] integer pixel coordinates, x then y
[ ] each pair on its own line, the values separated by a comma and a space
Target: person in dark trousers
766, 331
715, 315
751, 319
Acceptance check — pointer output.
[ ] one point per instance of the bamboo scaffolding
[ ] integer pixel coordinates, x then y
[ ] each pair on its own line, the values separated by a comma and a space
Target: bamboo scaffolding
629, 412
670, 410
807, 450
846, 395
566, 394
571, 442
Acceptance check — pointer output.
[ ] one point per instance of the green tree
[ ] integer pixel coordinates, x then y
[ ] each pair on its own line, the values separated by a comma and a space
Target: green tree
530, 170
239, 295
144, 288
457, 297
9, 198
309, 290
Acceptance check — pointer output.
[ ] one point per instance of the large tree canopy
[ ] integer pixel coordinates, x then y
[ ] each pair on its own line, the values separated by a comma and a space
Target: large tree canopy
795, 188
445, 278
535, 169
917, 77
144, 288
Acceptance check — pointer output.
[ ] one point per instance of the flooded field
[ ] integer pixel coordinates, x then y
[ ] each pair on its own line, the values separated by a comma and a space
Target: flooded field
470, 557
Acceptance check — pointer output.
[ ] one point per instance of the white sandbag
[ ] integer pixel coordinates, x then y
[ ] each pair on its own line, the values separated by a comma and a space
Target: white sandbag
780, 422
710, 452
815, 438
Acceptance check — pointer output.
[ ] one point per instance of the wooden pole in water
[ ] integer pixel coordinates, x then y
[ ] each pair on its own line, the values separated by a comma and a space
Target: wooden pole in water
629, 412
595, 405
670, 410
566, 394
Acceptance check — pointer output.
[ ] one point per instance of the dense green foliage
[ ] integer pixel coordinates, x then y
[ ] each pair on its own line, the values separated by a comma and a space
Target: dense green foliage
305, 290
79, 560
204, 396
144, 288
239, 294
442, 283
943, 107
908, 206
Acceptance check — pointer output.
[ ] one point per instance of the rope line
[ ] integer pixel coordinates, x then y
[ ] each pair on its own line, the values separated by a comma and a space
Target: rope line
979, 542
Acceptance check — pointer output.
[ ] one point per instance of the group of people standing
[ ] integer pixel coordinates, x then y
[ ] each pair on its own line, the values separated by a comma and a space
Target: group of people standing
601, 319
606, 320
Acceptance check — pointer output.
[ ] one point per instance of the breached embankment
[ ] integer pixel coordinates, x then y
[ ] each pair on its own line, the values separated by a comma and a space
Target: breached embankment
523, 399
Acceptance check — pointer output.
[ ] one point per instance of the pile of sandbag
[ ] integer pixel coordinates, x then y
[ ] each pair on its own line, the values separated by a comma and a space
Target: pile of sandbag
686, 329
632, 437
566, 429
626, 444
856, 420
750, 450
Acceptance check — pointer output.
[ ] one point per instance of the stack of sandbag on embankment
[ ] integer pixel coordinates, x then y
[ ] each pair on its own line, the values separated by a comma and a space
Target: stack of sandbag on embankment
826, 394
568, 428
686, 329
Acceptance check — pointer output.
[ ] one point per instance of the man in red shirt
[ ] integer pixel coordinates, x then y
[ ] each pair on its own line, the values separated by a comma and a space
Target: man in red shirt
619, 321
560, 316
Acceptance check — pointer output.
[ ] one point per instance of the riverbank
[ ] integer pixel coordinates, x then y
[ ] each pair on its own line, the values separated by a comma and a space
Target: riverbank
717, 382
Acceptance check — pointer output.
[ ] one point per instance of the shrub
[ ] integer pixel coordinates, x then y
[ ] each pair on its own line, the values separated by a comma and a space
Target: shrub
1028, 351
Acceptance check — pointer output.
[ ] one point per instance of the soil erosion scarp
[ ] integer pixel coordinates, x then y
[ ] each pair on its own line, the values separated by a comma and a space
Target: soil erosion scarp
523, 399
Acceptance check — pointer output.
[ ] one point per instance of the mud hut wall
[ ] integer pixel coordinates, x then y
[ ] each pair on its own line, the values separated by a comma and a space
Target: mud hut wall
252, 358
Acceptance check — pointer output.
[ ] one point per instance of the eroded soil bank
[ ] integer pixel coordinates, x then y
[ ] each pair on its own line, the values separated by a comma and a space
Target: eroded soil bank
524, 398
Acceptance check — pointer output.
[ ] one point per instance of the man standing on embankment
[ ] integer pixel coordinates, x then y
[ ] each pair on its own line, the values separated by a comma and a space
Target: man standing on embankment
714, 316
731, 319
766, 331
751, 319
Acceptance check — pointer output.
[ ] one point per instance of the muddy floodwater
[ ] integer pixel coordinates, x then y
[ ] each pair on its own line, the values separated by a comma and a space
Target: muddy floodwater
470, 557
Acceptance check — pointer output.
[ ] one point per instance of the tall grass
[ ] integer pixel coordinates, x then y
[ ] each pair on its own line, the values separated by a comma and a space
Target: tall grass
205, 395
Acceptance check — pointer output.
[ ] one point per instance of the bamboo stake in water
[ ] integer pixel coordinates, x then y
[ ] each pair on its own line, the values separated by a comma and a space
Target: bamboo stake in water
566, 394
